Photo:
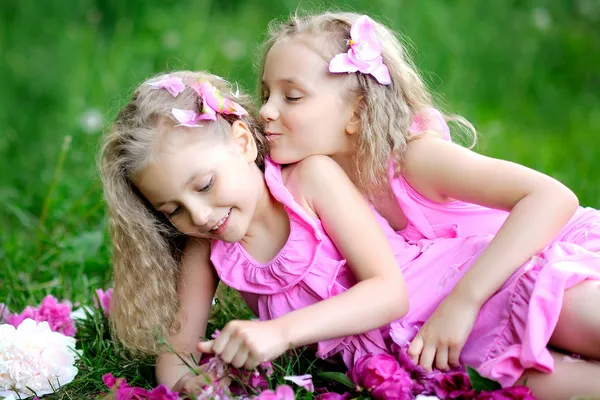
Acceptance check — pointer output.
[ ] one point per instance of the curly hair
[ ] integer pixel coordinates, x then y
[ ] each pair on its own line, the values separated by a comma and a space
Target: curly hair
386, 111
146, 247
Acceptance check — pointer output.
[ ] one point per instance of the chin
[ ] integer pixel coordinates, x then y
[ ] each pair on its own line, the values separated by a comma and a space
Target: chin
284, 159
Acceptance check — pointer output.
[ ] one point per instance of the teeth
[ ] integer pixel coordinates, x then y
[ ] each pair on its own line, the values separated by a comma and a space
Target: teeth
218, 225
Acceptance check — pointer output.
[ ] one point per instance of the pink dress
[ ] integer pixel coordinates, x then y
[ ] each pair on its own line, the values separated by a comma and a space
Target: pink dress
308, 269
510, 334
429, 219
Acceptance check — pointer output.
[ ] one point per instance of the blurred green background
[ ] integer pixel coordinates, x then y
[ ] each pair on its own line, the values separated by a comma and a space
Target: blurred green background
526, 73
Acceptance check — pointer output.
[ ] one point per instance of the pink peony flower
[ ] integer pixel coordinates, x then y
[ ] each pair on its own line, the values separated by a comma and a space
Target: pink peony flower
512, 393
58, 315
454, 385
105, 298
304, 381
283, 392
423, 382
333, 396
382, 376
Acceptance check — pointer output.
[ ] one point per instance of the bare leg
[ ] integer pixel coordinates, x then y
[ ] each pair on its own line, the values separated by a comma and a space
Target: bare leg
578, 327
569, 379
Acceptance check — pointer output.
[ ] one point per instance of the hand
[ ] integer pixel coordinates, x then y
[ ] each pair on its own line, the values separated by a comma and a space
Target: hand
441, 339
248, 343
193, 383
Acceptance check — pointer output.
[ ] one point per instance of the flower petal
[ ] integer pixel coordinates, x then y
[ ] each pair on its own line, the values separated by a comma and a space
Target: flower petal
382, 74
173, 84
304, 381
284, 392
185, 117
342, 63
367, 44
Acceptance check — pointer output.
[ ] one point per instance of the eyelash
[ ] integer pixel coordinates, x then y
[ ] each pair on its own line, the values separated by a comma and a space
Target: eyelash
203, 189
208, 186
174, 213
288, 98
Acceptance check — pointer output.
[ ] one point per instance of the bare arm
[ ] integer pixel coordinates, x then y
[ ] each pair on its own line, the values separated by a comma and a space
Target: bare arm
539, 206
197, 288
380, 295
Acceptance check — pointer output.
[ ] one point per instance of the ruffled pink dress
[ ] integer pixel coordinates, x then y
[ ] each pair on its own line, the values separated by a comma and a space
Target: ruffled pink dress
510, 334
308, 269
515, 325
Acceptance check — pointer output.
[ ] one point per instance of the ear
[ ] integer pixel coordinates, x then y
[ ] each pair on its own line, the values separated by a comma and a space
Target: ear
353, 124
243, 140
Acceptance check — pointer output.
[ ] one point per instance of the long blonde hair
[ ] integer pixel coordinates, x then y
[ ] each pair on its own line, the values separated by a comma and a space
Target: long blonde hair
146, 247
386, 112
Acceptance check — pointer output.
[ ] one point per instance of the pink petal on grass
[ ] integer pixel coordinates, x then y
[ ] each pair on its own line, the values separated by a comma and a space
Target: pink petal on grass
304, 381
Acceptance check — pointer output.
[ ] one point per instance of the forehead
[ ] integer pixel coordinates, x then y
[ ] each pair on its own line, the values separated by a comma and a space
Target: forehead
294, 56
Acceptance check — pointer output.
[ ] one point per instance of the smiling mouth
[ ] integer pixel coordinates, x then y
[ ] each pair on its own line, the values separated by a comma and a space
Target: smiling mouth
221, 221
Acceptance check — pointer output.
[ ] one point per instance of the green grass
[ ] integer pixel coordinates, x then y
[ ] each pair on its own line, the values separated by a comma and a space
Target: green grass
531, 88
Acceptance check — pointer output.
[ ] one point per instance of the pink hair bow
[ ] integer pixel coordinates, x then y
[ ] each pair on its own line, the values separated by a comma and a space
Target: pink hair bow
172, 84
212, 103
364, 54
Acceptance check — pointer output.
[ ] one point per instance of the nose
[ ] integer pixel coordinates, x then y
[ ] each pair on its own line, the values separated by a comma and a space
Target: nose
201, 214
268, 112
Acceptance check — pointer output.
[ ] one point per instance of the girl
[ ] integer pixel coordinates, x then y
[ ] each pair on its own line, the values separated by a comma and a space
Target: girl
317, 67
183, 163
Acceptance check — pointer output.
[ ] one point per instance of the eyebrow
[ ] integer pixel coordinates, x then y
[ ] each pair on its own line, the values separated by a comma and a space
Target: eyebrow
162, 203
284, 80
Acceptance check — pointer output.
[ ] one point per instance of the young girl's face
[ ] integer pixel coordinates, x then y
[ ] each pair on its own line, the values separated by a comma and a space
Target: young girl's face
304, 111
204, 183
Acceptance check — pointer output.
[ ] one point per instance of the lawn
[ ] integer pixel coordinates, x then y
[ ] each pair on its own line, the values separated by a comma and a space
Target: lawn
525, 73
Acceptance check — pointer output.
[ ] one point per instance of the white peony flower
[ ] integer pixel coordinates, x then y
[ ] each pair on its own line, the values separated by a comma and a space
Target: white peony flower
33, 356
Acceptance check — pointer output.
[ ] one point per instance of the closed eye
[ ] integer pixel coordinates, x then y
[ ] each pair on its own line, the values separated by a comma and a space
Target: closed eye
174, 212
209, 185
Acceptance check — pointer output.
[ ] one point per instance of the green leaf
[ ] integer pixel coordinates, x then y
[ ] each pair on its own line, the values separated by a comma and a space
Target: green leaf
338, 377
480, 383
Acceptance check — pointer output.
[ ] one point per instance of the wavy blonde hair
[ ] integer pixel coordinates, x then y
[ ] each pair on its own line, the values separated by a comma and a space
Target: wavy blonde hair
386, 111
146, 247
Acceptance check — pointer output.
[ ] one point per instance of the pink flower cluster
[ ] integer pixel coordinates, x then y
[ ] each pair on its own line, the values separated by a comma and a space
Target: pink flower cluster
390, 378
120, 390
58, 315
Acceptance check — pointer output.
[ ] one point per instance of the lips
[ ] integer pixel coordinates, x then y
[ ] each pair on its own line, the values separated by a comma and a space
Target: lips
272, 135
221, 222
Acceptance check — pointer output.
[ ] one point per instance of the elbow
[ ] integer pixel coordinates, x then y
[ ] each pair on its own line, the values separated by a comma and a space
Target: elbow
397, 296
567, 201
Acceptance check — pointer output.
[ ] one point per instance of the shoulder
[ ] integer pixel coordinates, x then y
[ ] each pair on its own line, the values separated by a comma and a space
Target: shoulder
313, 170
312, 178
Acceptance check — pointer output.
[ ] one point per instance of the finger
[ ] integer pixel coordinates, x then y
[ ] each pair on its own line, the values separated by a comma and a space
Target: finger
206, 347
193, 386
441, 358
415, 348
427, 357
230, 350
221, 341
241, 357
251, 363
454, 356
